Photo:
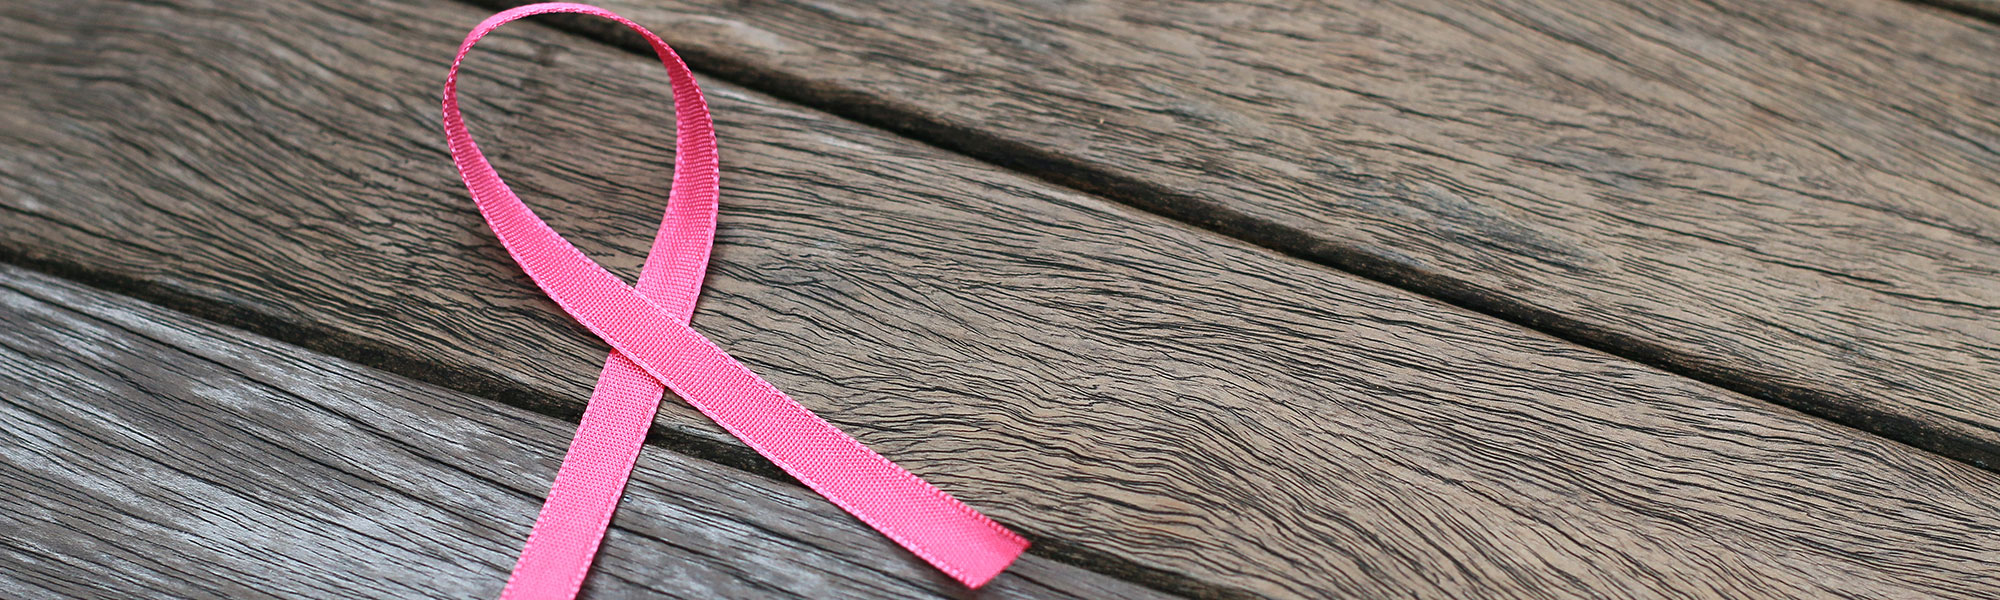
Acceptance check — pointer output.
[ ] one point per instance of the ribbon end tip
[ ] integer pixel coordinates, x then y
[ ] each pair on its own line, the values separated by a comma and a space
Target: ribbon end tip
977, 576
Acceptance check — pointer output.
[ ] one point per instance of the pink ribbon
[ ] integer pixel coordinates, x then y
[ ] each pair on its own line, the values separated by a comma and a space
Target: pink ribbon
654, 349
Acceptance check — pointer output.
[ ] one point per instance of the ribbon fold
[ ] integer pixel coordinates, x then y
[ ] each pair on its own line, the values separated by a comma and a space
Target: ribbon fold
654, 350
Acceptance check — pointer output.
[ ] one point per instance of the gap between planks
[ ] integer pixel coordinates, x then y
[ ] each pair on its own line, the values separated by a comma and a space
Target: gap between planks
1986, 10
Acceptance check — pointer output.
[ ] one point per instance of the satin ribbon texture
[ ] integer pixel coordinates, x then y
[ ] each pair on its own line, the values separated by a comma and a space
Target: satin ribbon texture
653, 349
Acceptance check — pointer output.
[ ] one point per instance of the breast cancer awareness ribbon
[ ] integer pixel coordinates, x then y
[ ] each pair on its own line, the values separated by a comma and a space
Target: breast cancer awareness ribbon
654, 349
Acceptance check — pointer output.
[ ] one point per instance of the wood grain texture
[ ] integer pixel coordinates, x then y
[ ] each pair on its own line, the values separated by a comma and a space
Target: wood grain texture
1144, 398
1799, 200
149, 455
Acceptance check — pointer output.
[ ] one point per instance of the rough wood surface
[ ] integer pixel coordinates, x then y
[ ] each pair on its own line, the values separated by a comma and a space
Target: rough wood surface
1152, 400
1799, 200
149, 455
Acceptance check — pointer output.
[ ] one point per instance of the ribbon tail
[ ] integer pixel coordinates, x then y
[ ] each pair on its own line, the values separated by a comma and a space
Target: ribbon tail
564, 542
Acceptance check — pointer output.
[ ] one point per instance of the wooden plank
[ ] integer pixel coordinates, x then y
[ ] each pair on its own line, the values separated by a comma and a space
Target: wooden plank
150, 455
1794, 200
1151, 400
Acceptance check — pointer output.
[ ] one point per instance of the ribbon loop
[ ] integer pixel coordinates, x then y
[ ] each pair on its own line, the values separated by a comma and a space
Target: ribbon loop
654, 349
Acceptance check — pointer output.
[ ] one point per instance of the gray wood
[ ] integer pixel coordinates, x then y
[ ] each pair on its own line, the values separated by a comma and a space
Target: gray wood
149, 455
1147, 399
1798, 200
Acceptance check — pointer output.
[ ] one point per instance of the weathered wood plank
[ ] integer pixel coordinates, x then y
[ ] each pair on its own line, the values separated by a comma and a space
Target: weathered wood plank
149, 455
1154, 400
1795, 199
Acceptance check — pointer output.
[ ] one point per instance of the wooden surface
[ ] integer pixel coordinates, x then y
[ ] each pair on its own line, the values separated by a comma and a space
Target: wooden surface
1145, 399
145, 446
1795, 200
